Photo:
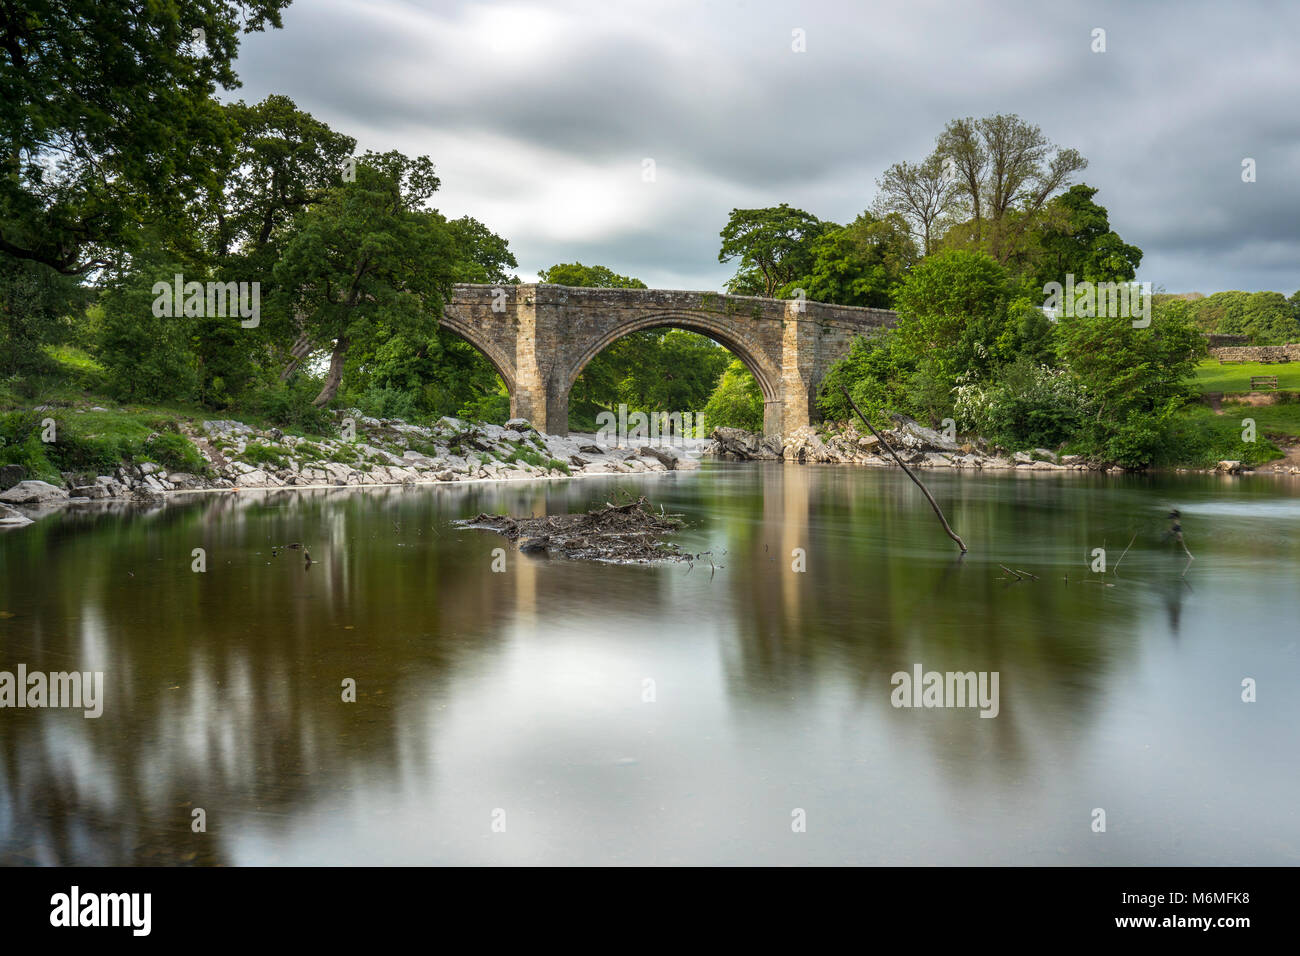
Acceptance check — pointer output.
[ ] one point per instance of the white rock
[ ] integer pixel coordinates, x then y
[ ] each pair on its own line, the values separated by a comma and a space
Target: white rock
33, 492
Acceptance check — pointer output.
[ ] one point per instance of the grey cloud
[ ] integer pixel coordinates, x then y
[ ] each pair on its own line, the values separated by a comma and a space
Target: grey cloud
717, 97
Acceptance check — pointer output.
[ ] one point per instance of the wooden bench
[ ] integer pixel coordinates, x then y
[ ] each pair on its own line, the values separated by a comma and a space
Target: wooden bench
1260, 382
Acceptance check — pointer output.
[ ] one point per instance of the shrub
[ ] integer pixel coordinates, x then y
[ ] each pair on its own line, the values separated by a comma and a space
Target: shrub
290, 406
175, 452
1026, 406
259, 454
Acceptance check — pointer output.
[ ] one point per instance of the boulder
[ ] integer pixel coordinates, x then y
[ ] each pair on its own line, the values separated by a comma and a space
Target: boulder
736, 443
13, 519
912, 434
33, 493
1225, 467
665, 456
10, 475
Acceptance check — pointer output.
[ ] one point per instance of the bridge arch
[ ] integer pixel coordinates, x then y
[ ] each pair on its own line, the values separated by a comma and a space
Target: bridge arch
768, 377
490, 350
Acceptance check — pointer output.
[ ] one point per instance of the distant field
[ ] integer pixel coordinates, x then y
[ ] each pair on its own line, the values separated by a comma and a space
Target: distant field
1213, 377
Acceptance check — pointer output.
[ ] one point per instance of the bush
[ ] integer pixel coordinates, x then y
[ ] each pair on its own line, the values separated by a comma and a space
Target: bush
1027, 406
875, 376
384, 401
175, 452
259, 454
290, 406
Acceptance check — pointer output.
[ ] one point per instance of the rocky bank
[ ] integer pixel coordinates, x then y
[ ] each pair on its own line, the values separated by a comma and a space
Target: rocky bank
383, 452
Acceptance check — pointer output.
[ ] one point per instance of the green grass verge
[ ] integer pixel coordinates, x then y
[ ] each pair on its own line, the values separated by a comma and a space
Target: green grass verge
1213, 377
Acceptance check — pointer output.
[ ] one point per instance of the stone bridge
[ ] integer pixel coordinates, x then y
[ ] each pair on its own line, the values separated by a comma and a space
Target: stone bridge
540, 338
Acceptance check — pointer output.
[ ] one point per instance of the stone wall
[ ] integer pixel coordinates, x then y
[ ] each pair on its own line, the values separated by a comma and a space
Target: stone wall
1258, 353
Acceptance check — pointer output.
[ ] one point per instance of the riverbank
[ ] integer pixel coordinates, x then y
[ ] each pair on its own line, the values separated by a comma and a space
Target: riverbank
186, 455
921, 447
229, 455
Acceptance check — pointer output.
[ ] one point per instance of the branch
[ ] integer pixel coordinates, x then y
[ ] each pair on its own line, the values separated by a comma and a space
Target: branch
924, 490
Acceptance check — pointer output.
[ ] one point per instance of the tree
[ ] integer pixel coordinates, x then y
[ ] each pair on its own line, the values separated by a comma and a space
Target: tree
953, 323
594, 277
107, 113
369, 261
1074, 237
481, 255
922, 193
428, 369
1136, 379
861, 264
285, 159
35, 302
774, 245
673, 370
737, 402
1003, 164
1266, 317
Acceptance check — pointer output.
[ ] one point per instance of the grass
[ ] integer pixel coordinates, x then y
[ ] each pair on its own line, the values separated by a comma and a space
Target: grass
1213, 377
1204, 438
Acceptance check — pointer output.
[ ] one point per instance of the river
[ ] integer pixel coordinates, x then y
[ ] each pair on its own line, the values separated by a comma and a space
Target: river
730, 711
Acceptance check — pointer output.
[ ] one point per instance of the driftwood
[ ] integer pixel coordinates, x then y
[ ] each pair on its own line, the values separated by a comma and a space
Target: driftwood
924, 490
626, 533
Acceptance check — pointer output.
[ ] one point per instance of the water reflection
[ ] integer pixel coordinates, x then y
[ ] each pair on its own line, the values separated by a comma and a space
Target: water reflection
525, 691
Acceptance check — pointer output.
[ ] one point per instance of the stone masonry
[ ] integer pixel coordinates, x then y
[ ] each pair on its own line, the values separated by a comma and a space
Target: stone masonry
1258, 353
540, 338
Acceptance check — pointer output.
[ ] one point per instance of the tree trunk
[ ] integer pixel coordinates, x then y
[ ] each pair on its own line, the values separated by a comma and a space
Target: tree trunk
300, 350
335, 376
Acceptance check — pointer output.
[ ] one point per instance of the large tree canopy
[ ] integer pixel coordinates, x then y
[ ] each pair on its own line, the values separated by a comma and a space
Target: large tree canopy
861, 264
106, 113
772, 246
1004, 165
369, 260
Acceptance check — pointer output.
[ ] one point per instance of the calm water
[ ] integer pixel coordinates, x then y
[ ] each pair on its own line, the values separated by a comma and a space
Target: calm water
524, 691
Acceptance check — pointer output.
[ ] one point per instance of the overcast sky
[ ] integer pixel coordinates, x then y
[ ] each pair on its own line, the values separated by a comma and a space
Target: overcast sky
539, 116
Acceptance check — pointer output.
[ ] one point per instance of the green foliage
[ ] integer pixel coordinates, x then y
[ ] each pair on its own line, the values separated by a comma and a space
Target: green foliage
368, 261
953, 325
147, 358
35, 302
1269, 318
382, 401
290, 405
174, 452
773, 246
593, 277
259, 454
1136, 379
877, 377
108, 115
737, 402
1074, 237
861, 264
493, 408
1027, 406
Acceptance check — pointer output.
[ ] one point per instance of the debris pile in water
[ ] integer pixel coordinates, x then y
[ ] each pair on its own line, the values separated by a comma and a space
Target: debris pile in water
626, 533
